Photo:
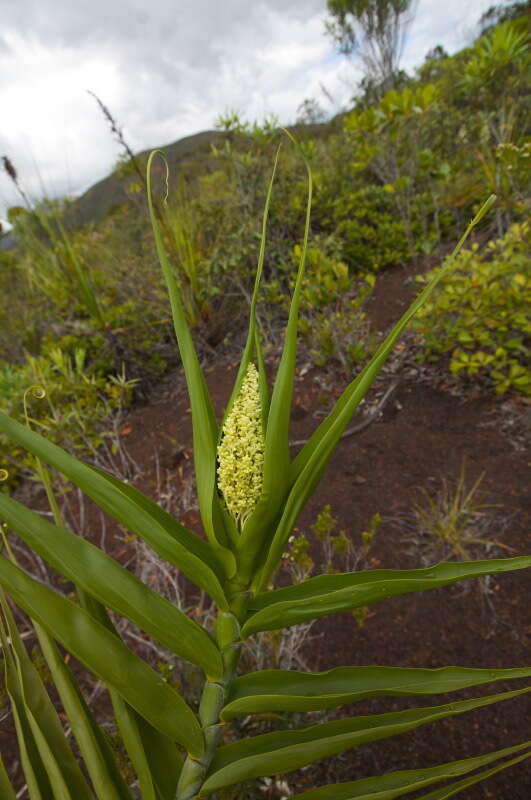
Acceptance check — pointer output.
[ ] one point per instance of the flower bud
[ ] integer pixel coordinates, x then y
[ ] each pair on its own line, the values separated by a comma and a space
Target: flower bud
241, 451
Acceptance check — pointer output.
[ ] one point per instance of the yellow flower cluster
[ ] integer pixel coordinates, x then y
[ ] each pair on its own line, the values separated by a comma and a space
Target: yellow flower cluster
241, 450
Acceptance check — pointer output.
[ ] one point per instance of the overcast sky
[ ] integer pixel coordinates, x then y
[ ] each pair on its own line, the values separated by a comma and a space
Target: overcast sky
168, 72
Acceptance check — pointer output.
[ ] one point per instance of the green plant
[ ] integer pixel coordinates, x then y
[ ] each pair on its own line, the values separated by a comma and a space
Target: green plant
338, 547
53, 261
246, 534
479, 315
392, 141
364, 220
67, 399
451, 523
185, 241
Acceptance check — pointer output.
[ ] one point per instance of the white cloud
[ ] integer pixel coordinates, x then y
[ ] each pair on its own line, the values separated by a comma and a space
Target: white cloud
167, 72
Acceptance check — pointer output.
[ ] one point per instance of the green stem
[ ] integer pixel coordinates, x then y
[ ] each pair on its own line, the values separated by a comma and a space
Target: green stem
214, 696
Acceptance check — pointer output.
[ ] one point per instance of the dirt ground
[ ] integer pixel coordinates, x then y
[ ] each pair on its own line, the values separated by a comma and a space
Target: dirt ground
426, 432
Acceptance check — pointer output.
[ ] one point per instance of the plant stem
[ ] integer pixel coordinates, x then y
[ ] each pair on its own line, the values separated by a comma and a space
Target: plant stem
214, 696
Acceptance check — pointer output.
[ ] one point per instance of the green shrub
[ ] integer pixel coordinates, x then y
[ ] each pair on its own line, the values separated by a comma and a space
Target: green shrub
366, 221
65, 398
480, 314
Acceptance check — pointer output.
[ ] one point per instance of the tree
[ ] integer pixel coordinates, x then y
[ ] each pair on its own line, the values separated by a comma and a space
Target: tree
497, 14
310, 112
375, 29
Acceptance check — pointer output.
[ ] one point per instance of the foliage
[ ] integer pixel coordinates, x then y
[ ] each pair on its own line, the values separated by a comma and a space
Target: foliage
498, 60
66, 398
479, 316
496, 14
450, 523
392, 140
54, 263
235, 566
396, 177
364, 219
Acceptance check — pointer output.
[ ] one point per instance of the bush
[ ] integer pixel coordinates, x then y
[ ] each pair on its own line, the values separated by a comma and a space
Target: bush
65, 397
480, 314
366, 221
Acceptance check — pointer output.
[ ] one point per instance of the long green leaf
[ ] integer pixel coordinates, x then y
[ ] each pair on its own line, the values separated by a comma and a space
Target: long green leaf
310, 463
205, 428
396, 784
105, 655
33, 768
127, 720
455, 788
251, 341
220, 559
97, 755
114, 586
63, 772
6, 789
127, 506
276, 452
131, 725
93, 746
139, 737
329, 594
289, 690
165, 762
155, 758
284, 751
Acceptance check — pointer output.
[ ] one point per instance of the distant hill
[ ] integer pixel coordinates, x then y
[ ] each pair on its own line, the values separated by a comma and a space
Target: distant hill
110, 192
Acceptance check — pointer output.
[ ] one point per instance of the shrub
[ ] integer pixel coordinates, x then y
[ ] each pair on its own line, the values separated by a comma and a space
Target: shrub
366, 221
65, 397
480, 314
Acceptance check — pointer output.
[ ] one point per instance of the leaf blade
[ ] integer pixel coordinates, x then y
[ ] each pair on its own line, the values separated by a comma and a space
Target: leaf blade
6, 789
105, 655
396, 784
47, 733
310, 463
289, 690
329, 594
97, 755
123, 504
449, 791
205, 428
117, 588
276, 449
285, 751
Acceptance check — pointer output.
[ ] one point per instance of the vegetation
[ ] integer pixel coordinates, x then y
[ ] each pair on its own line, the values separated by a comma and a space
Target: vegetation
85, 330
395, 179
250, 493
480, 316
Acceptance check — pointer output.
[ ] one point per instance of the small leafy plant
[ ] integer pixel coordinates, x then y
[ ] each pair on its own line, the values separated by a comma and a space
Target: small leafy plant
480, 314
451, 523
78, 402
250, 493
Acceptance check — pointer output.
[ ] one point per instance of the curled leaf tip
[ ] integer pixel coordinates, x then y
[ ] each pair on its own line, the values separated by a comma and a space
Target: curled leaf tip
4, 474
36, 391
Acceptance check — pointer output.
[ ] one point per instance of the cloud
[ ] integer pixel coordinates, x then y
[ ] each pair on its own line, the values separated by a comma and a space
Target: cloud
165, 71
